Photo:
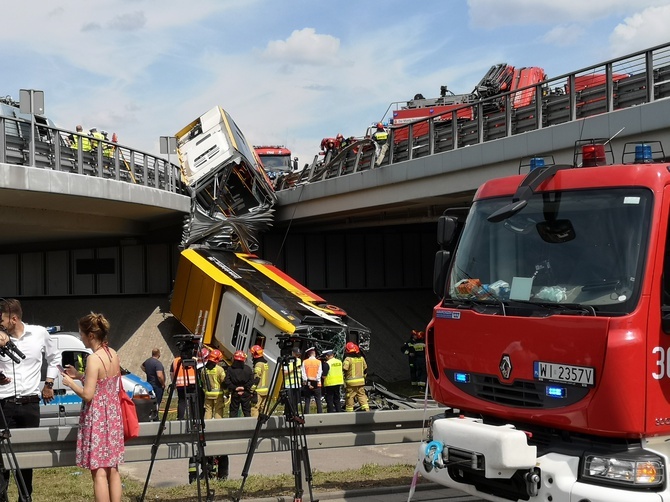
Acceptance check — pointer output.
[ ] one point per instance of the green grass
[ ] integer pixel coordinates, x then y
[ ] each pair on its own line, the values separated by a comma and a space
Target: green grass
72, 484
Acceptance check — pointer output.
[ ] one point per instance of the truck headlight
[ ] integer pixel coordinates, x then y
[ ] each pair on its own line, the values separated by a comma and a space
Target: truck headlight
642, 470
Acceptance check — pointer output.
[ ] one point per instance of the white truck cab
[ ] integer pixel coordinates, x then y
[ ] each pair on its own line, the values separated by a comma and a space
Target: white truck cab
66, 404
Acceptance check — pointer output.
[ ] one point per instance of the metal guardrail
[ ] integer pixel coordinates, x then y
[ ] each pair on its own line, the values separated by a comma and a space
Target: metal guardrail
62, 150
55, 446
632, 80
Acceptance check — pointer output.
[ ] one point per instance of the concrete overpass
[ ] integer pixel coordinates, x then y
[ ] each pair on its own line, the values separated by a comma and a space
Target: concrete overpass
417, 191
102, 234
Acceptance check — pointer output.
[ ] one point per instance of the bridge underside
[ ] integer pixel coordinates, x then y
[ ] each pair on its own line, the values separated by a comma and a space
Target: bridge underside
54, 209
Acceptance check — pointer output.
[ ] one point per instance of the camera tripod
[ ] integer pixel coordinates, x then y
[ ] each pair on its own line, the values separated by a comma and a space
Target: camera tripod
7, 450
294, 419
195, 425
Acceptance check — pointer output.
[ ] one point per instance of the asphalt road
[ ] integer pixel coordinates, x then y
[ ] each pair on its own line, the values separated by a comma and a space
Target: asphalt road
167, 473
424, 494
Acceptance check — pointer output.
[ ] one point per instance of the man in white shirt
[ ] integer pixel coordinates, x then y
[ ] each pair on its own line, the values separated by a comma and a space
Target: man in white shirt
22, 347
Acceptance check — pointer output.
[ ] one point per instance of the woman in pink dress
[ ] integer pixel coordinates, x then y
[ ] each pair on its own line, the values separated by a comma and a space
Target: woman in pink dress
100, 435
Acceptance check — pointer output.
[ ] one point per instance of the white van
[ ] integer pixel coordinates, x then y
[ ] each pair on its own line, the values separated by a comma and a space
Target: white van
65, 407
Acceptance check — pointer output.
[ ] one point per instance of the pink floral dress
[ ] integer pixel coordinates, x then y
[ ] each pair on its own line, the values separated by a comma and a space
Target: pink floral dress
100, 435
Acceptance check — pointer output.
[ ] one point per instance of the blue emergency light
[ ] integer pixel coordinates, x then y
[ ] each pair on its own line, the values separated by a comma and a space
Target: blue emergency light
536, 162
462, 377
643, 154
556, 392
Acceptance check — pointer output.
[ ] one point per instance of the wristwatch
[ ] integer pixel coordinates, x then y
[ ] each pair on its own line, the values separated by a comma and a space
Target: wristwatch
49, 385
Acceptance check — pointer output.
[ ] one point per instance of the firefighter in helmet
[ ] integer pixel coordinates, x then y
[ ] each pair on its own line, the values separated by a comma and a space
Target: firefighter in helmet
415, 350
380, 137
261, 375
213, 376
239, 380
355, 369
339, 141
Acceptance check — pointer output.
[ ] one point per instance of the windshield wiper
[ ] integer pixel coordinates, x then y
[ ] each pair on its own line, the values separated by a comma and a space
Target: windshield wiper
561, 308
480, 304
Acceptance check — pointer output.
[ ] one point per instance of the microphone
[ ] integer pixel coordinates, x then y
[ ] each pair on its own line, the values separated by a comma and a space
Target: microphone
11, 346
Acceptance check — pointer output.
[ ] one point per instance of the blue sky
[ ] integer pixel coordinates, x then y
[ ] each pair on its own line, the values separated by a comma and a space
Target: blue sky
292, 71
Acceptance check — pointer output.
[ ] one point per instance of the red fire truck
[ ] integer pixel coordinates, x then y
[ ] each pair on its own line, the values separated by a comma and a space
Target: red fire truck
499, 79
551, 341
276, 160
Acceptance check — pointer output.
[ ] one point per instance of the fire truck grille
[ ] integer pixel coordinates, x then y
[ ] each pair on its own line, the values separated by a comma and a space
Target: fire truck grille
519, 394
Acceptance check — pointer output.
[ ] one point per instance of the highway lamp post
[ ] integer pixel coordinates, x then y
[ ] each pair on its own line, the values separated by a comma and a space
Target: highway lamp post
31, 101
168, 145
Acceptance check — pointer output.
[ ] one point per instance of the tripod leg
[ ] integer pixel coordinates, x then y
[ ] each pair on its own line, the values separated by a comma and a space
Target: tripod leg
14, 469
196, 425
4, 481
263, 416
305, 459
154, 446
296, 461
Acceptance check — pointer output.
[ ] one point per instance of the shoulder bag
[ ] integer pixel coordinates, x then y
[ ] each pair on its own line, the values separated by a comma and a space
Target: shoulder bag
131, 425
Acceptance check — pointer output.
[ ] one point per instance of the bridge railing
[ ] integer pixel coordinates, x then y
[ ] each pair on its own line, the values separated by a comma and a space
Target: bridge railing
72, 152
632, 80
55, 446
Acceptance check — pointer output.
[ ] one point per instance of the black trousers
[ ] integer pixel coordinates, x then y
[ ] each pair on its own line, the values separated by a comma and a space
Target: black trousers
20, 416
237, 401
332, 393
309, 393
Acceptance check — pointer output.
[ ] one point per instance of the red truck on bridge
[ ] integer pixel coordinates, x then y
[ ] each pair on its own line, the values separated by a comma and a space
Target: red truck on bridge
499, 79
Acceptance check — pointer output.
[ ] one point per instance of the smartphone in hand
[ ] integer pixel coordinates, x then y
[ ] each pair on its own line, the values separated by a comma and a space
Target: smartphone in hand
60, 368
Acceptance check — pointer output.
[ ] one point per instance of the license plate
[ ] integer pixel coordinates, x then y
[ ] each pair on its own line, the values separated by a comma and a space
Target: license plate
579, 375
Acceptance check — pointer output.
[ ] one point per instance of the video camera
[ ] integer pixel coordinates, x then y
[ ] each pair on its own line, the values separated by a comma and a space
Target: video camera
188, 345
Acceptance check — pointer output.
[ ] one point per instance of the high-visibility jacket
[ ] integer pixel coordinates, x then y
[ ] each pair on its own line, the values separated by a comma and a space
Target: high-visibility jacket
108, 150
335, 375
354, 370
214, 381
311, 370
380, 137
80, 363
261, 372
414, 348
180, 378
85, 142
96, 135
292, 374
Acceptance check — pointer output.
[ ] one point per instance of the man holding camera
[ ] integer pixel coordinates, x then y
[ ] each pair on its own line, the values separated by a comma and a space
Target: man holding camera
22, 347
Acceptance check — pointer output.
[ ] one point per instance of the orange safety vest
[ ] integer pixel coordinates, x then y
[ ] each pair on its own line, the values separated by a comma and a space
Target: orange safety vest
184, 376
312, 369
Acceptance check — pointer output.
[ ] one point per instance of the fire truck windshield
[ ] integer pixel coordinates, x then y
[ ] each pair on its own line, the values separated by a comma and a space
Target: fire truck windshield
584, 247
276, 162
